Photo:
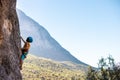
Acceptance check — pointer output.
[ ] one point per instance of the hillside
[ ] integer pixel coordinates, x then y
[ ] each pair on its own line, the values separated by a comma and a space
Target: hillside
38, 68
44, 45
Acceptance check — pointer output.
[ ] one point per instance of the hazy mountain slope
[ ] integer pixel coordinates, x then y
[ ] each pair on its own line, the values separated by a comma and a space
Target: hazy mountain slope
39, 68
44, 45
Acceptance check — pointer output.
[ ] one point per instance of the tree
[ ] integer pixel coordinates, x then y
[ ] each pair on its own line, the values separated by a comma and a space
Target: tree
117, 72
107, 70
91, 74
9, 41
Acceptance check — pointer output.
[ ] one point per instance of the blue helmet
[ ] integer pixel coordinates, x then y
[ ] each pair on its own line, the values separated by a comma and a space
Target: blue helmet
29, 39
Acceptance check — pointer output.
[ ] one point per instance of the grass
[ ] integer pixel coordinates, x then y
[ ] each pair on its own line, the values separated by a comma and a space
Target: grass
36, 68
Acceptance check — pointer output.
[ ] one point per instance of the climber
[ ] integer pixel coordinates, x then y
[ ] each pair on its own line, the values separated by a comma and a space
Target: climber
25, 49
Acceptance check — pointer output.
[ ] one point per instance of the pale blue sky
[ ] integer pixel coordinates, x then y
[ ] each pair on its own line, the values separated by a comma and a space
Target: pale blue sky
88, 29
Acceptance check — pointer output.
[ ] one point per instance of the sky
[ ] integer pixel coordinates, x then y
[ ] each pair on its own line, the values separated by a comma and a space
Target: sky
88, 29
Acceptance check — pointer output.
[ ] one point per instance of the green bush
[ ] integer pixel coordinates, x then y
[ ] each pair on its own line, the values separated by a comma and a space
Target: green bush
107, 70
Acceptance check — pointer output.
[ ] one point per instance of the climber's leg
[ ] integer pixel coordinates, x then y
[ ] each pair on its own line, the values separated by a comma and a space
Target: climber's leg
21, 61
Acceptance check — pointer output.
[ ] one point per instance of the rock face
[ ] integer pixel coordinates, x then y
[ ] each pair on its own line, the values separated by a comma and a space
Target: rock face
9, 41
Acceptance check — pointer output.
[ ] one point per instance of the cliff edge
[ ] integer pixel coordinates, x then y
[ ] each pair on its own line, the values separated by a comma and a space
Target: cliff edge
9, 41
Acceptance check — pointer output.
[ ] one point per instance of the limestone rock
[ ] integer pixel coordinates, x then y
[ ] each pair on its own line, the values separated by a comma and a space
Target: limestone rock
9, 41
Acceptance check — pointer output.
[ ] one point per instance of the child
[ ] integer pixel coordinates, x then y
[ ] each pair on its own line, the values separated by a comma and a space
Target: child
25, 49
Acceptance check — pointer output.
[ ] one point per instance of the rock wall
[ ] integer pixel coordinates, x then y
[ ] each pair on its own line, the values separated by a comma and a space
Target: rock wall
9, 41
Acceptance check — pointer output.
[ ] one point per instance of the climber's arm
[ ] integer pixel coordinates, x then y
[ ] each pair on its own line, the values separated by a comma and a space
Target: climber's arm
22, 39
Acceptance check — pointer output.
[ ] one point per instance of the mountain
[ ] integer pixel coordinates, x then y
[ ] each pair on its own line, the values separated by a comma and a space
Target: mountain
43, 45
38, 68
